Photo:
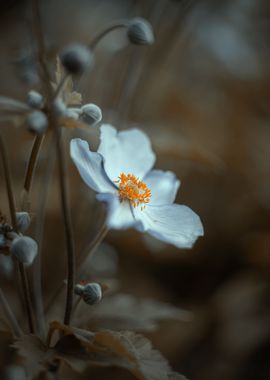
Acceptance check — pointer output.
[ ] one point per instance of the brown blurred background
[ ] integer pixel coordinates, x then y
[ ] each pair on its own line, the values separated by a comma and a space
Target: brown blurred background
202, 93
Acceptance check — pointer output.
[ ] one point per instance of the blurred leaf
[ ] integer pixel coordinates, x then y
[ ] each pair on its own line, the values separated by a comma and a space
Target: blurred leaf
34, 354
124, 311
4, 326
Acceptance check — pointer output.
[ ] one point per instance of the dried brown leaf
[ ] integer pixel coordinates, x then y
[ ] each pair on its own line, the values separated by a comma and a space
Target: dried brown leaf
145, 362
108, 348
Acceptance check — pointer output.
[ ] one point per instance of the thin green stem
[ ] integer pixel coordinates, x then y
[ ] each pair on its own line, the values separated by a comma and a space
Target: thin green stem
11, 199
27, 298
61, 163
29, 175
91, 248
85, 254
104, 32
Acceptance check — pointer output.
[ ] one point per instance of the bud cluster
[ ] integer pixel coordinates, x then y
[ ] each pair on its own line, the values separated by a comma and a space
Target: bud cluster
23, 248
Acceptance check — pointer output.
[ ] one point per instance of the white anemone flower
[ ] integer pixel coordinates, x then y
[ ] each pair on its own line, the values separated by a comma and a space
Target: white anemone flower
137, 196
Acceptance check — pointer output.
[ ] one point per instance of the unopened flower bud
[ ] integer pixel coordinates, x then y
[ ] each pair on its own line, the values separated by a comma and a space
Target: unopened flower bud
72, 113
91, 114
91, 293
59, 107
35, 99
76, 58
23, 221
24, 249
140, 32
37, 122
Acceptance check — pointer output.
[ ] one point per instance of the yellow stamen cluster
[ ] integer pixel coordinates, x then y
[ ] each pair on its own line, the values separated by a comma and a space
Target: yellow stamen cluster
132, 189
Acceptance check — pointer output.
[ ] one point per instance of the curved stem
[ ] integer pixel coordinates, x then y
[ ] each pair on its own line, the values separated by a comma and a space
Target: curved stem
106, 31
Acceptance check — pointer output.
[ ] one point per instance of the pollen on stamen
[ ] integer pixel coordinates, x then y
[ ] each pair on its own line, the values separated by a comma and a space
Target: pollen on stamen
133, 190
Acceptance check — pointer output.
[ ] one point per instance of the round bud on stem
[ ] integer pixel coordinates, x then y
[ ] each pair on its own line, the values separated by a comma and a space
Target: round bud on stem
24, 249
140, 32
23, 221
91, 114
73, 113
35, 99
78, 289
59, 107
76, 58
91, 293
37, 122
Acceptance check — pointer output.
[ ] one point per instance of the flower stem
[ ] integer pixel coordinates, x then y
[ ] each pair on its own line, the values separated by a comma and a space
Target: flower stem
106, 31
10, 315
26, 292
7, 176
12, 208
32, 163
90, 249
61, 162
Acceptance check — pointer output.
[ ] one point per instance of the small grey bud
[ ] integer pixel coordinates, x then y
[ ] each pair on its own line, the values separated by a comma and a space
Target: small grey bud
35, 99
91, 114
92, 293
24, 249
59, 107
72, 113
76, 58
37, 122
140, 32
23, 221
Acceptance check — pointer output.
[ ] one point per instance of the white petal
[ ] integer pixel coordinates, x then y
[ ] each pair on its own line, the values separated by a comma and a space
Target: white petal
163, 186
120, 215
174, 224
125, 152
90, 166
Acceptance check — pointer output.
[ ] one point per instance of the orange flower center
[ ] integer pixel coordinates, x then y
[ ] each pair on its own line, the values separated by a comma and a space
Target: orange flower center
133, 190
